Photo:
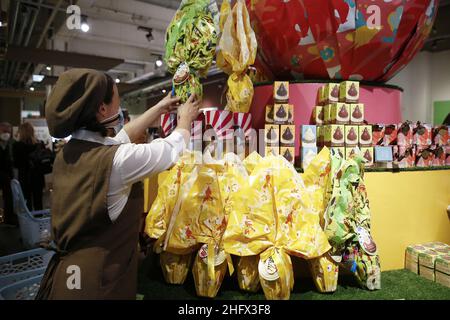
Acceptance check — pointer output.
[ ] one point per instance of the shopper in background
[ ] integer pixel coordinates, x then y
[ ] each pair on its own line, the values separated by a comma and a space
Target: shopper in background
31, 180
96, 203
6, 173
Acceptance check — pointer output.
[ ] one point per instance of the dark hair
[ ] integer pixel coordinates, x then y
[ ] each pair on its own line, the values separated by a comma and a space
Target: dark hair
93, 124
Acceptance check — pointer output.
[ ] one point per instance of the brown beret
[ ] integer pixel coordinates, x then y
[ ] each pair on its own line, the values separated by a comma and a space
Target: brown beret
77, 93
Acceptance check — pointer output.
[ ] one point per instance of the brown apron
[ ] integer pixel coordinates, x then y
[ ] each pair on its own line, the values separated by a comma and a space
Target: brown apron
104, 252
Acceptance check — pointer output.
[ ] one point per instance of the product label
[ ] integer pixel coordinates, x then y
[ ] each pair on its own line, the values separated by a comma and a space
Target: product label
268, 270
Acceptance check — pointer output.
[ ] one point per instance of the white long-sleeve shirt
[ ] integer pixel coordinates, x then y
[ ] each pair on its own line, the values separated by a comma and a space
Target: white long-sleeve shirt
134, 162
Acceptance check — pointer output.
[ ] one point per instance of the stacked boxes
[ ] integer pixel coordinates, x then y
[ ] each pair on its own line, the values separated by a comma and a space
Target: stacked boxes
442, 270
340, 121
412, 145
280, 133
430, 260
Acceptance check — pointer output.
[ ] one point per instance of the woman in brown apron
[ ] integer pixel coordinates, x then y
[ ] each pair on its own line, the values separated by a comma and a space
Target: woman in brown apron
96, 202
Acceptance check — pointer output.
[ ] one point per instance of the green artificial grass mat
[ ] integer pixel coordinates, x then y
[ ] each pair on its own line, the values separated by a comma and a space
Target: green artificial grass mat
395, 285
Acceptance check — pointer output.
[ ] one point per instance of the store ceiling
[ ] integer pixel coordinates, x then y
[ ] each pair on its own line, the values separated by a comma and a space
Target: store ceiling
126, 37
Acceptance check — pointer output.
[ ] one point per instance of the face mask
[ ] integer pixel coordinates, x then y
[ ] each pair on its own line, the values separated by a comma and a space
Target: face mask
120, 122
5, 136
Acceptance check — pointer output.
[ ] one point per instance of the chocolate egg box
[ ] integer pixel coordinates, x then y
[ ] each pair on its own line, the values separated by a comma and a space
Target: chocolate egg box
340, 113
441, 135
275, 151
281, 91
356, 113
309, 135
336, 136
365, 136
351, 136
272, 134
367, 153
287, 135
281, 113
288, 153
349, 91
331, 92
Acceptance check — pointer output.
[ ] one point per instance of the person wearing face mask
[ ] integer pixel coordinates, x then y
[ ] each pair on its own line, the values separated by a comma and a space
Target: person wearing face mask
6, 173
96, 201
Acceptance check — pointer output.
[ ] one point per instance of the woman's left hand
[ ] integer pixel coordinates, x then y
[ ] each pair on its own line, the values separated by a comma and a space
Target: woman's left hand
168, 104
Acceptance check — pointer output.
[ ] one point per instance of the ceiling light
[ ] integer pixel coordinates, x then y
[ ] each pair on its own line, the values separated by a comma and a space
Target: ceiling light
159, 63
117, 80
84, 24
38, 77
48, 68
31, 88
164, 90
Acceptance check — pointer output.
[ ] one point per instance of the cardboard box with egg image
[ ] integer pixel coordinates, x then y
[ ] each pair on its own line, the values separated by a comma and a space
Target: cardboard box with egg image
422, 134
424, 156
349, 91
351, 151
309, 136
365, 136
307, 155
340, 113
281, 113
377, 134
405, 134
271, 150
331, 92
272, 134
404, 156
367, 153
269, 113
441, 135
288, 153
356, 113
351, 136
281, 91
439, 155
287, 135
335, 135
390, 135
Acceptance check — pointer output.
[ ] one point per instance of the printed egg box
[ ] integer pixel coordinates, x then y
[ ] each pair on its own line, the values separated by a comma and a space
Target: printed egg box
405, 134
281, 91
309, 136
283, 113
356, 113
351, 136
331, 93
365, 136
442, 270
287, 135
422, 134
349, 91
334, 135
339, 113
441, 135
307, 155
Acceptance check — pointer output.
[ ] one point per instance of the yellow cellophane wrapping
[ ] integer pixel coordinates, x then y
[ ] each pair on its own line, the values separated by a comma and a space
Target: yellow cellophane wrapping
325, 272
247, 273
203, 214
237, 51
175, 267
276, 215
205, 285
